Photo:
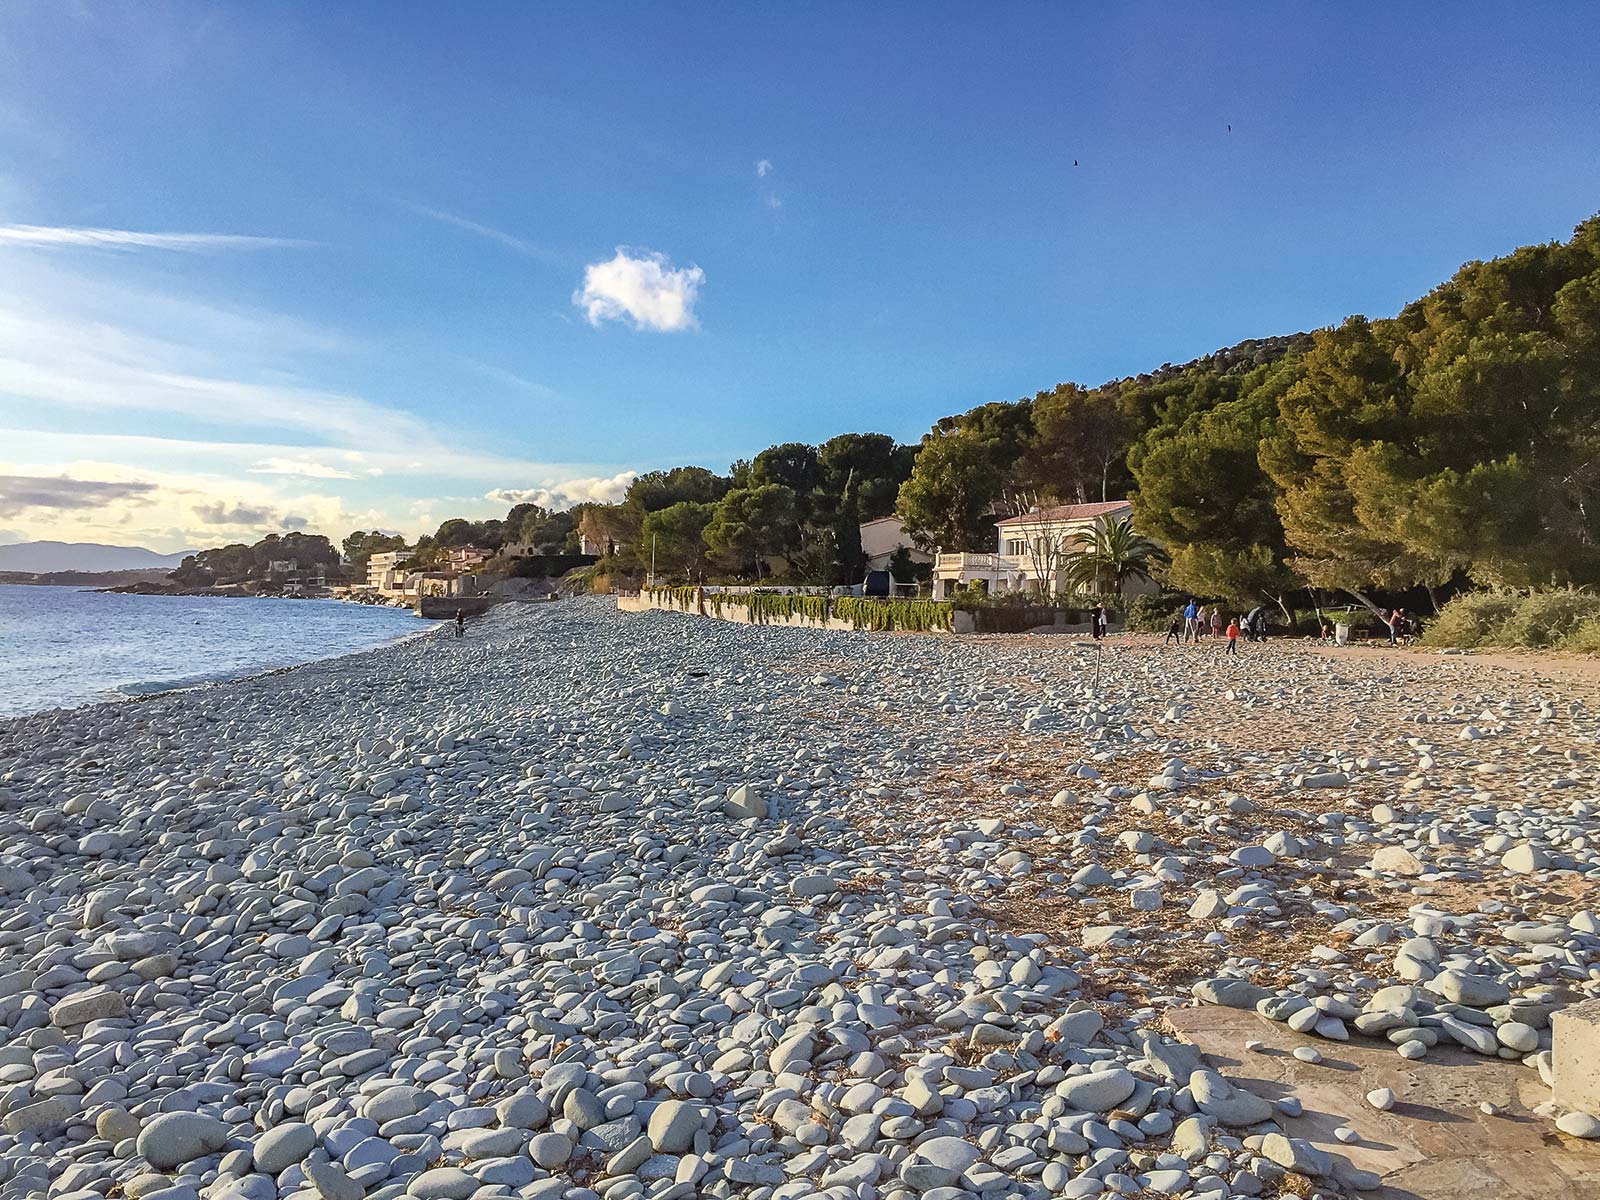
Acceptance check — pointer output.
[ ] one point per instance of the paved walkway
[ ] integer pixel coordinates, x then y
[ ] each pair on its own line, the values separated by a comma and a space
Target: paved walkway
1433, 1144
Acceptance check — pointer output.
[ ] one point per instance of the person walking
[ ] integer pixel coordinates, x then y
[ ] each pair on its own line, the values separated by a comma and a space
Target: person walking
1233, 638
1396, 623
1191, 621
1216, 621
461, 622
1097, 622
1174, 632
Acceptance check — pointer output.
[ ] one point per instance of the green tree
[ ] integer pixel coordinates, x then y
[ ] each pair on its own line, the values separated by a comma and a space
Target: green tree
362, 545
751, 525
792, 465
1110, 552
675, 536
949, 500
873, 462
655, 490
1201, 494
1462, 435
1079, 440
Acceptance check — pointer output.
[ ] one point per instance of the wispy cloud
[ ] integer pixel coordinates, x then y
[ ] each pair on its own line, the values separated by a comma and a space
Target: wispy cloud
97, 367
642, 288
511, 379
509, 240
764, 168
56, 237
304, 468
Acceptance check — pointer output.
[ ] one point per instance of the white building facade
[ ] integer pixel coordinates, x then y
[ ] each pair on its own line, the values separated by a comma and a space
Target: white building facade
1035, 551
382, 572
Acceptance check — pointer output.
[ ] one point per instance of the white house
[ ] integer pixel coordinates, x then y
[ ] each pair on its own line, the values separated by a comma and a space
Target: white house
880, 539
383, 574
1035, 549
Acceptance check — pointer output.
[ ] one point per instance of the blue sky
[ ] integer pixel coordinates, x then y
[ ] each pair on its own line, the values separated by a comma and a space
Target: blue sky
380, 264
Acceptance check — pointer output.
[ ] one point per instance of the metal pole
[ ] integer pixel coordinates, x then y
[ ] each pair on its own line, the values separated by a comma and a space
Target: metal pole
652, 560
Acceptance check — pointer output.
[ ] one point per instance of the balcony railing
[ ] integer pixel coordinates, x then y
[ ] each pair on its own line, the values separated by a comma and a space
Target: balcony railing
981, 564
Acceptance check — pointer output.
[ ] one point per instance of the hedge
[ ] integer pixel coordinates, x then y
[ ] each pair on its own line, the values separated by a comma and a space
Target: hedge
918, 616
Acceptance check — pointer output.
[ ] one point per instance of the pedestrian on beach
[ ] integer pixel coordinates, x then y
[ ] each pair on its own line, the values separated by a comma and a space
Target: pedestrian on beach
1097, 622
1255, 625
1191, 621
1396, 623
1233, 639
461, 622
1216, 621
1327, 632
1174, 632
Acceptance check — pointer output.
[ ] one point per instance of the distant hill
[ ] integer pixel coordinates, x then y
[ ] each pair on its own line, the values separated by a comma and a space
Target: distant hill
41, 557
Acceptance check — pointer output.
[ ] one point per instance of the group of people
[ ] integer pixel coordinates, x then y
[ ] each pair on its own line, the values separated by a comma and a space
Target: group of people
1197, 621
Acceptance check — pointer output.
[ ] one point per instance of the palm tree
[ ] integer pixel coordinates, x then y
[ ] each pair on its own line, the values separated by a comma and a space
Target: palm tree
1111, 551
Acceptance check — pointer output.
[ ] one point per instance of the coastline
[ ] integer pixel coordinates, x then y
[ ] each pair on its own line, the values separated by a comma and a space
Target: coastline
134, 686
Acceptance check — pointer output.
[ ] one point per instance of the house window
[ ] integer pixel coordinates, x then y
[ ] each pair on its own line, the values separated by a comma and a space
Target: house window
1014, 546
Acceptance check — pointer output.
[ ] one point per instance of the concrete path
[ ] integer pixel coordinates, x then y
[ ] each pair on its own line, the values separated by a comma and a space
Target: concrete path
1433, 1144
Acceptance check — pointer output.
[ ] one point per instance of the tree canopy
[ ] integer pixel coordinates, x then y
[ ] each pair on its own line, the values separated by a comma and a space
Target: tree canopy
1455, 442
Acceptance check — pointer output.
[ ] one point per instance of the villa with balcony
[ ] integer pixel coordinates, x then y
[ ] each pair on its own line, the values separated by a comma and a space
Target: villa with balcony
1035, 549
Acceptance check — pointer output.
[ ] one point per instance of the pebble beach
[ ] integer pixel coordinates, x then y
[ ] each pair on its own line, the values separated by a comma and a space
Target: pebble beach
591, 904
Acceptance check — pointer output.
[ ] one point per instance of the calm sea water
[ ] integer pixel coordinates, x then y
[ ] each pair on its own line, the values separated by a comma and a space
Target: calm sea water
63, 646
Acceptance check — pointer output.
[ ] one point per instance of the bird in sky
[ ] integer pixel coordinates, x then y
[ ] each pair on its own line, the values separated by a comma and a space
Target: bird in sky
1074, 162
1230, 128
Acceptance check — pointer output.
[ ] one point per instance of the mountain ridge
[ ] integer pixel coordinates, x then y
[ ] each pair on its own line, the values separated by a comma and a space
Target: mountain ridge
40, 557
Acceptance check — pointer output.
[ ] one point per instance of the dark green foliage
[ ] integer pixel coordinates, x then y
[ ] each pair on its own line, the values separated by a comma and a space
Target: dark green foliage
1154, 614
360, 546
948, 502
238, 563
673, 538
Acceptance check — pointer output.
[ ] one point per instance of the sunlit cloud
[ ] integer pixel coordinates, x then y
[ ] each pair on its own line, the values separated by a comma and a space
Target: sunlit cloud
567, 492
304, 468
641, 288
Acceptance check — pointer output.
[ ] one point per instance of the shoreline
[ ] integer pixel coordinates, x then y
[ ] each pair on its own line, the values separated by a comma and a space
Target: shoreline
147, 690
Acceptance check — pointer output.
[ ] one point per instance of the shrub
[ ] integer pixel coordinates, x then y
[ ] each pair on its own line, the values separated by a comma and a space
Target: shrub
1537, 621
1585, 639
1471, 619
1547, 618
1153, 614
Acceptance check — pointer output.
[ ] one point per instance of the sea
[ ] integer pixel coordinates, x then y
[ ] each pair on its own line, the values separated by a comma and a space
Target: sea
62, 646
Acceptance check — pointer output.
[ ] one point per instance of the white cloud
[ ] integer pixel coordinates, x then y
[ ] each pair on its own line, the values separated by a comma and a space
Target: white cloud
565, 493
643, 288
764, 168
63, 236
305, 468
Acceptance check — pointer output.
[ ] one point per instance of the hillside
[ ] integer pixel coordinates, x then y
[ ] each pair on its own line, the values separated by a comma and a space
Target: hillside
37, 558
